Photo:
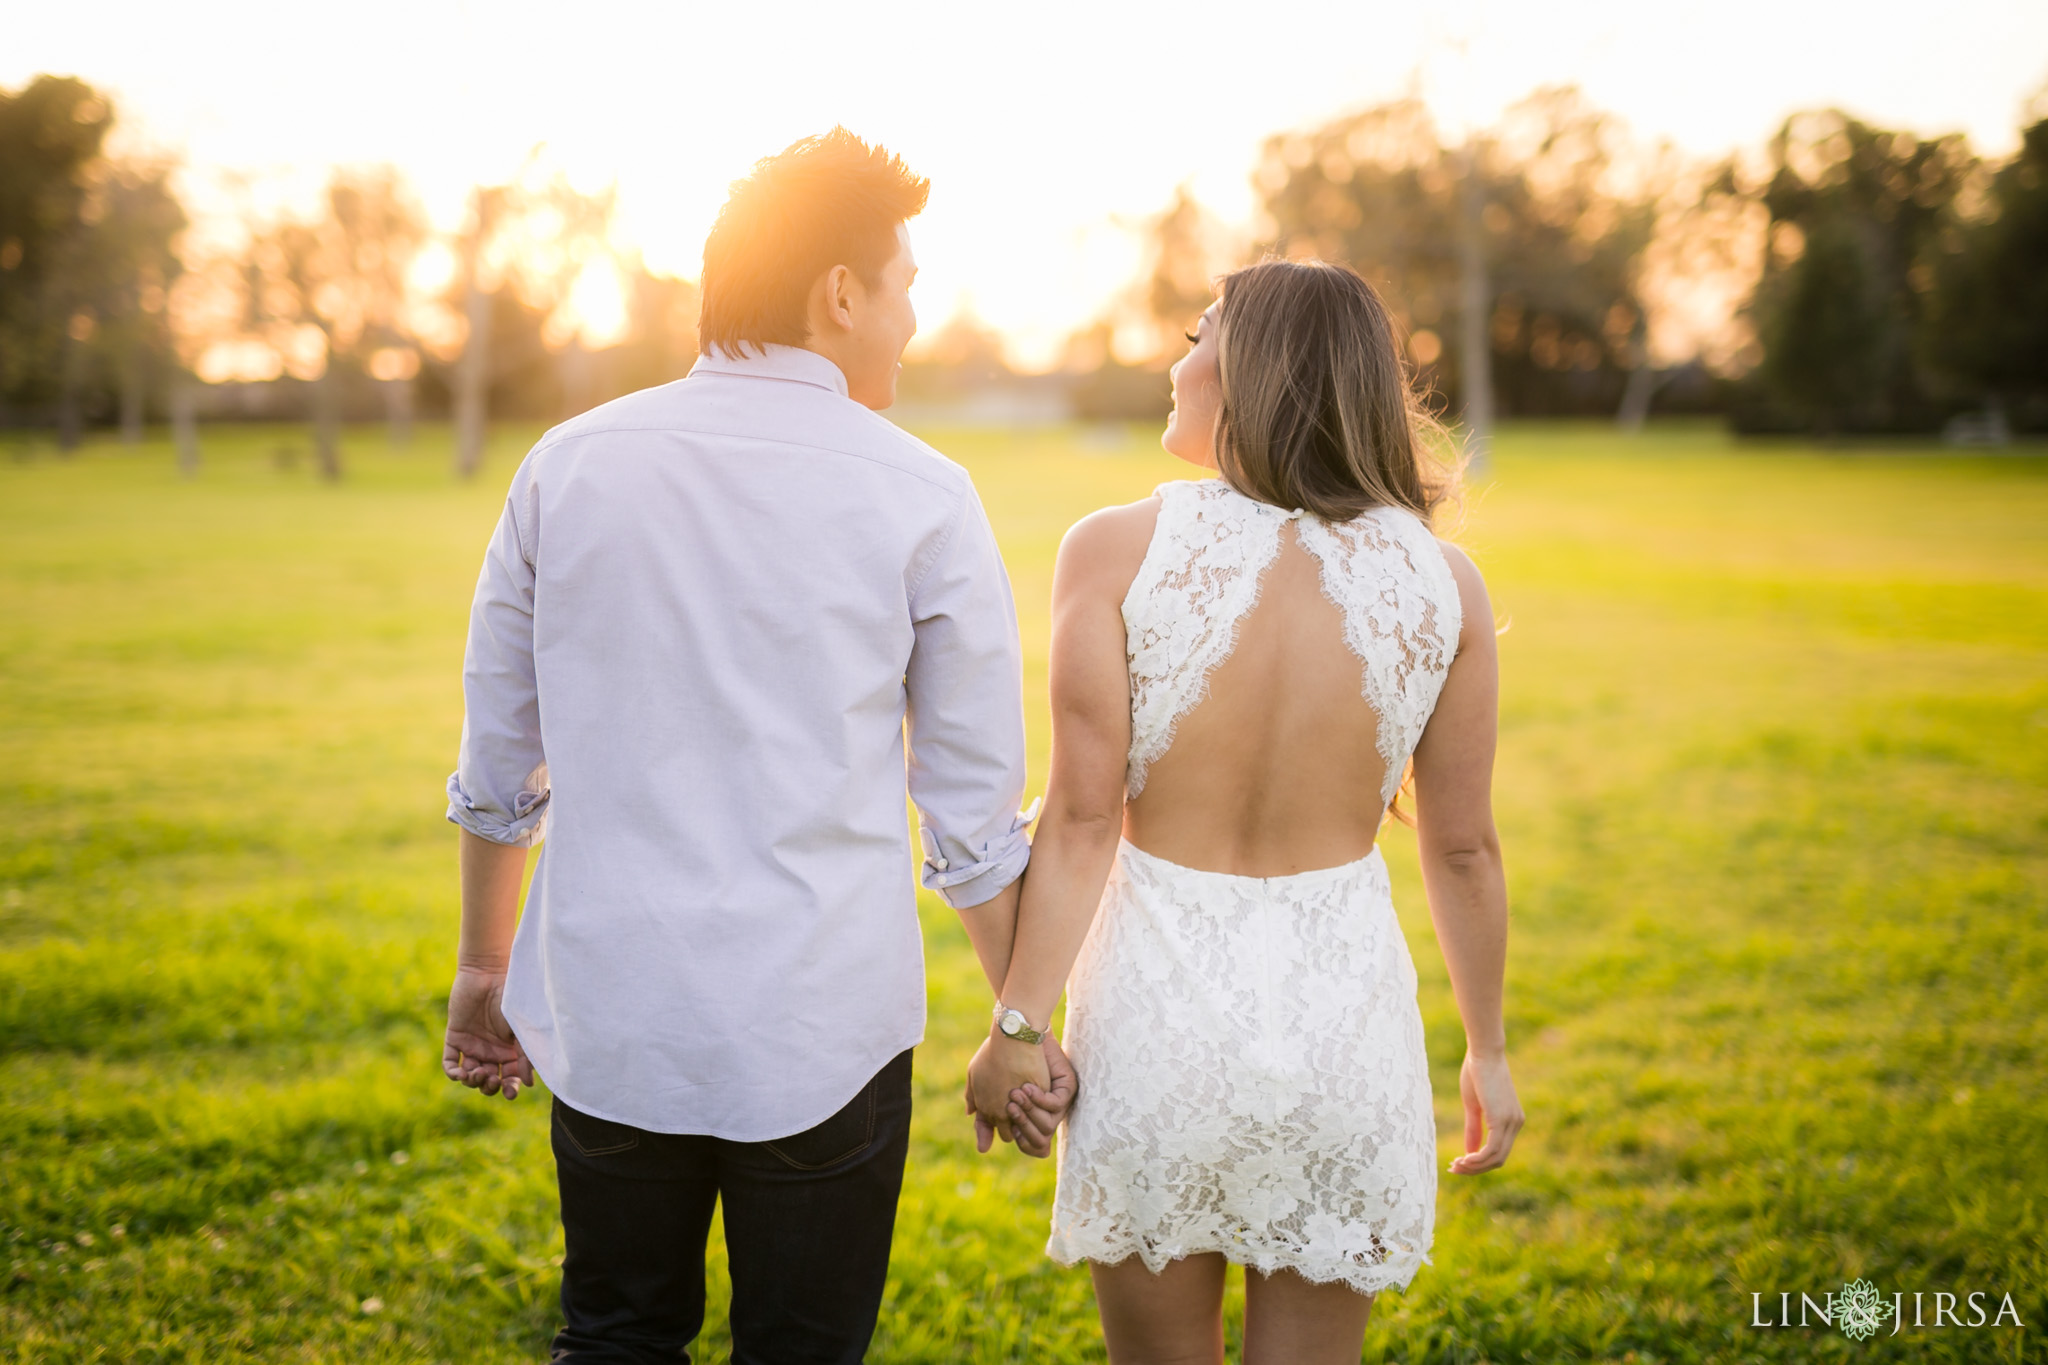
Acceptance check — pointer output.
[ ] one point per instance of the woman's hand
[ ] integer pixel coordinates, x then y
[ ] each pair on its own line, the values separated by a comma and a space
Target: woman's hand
1491, 1111
999, 1067
1035, 1115
480, 1050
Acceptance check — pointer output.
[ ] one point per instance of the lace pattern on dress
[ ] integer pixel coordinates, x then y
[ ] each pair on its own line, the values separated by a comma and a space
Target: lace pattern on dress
1385, 572
1200, 577
1256, 1080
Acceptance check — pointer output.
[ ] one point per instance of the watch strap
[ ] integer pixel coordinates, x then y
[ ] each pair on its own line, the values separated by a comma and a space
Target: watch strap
1023, 1033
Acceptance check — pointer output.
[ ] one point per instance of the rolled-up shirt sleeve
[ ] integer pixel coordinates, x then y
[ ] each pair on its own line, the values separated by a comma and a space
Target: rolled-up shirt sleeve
966, 718
499, 789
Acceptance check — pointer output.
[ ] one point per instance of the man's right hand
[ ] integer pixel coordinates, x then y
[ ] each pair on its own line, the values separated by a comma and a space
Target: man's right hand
480, 1049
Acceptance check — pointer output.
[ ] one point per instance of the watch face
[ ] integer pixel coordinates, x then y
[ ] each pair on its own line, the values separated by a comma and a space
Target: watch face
1012, 1023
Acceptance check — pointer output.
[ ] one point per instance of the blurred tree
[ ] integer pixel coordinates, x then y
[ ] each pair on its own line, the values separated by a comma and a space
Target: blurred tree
525, 246
1378, 191
1856, 213
381, 230
473, 371
50, 133
1987, 315
1475, 308
1583, 205
1830, 339
1120, 359
86, 259
1701, 263
963, 356
325, 291
1108, 390
1181, 279
1554, 203
660, 343
129, 266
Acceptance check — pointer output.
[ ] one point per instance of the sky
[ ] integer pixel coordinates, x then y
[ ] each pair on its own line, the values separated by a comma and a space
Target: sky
1049, 130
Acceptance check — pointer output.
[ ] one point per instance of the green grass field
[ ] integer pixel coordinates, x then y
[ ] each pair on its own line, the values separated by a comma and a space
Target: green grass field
1774, 795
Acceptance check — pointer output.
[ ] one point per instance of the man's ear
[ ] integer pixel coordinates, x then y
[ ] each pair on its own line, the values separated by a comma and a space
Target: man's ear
838, 296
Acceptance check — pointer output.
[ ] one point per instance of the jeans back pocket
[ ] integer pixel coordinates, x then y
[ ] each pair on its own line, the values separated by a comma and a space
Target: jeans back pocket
842, 1137
593, 1136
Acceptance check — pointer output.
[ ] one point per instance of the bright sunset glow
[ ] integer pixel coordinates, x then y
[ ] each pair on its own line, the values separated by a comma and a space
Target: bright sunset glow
1046, 132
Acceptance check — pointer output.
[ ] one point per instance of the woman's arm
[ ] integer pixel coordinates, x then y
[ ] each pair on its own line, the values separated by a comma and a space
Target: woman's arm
1461, 867
1076, 839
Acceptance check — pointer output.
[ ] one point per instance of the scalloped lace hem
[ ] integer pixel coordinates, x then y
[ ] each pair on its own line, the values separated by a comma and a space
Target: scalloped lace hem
1396, 1272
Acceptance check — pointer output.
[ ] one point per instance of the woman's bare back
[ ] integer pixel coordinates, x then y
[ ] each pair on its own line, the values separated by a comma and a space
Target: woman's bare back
1268, 651
1277, 770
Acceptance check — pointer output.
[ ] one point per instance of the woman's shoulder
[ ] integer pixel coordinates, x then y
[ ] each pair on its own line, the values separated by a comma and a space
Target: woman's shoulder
1114, 532
1473, 606
1104, 550
1462, 567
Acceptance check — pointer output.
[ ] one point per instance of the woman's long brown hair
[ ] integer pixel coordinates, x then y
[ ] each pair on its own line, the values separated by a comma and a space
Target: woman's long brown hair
1318, 410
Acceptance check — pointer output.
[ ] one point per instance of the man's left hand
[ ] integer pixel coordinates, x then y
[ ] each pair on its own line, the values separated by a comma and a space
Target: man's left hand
1019, 1094
480, 1049
1034, 1113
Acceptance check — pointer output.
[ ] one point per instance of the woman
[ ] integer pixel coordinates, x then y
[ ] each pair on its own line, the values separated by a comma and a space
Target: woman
1242, 669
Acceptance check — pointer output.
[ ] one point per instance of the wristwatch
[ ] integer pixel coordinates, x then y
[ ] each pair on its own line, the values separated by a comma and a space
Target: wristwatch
1012, 1024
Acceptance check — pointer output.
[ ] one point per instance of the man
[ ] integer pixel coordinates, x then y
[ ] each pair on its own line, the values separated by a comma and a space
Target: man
709, 615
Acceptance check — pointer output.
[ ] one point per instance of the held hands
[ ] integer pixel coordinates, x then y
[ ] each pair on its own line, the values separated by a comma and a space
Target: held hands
480, 1050
1019, 1092
1491, 1111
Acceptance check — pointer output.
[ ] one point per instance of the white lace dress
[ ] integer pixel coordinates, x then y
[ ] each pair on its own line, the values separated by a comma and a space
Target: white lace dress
1253, 1080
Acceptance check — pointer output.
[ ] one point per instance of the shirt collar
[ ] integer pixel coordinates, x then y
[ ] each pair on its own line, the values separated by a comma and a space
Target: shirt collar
771, 361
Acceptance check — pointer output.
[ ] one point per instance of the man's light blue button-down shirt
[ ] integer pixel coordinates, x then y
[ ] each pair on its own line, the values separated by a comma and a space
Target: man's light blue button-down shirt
710, 617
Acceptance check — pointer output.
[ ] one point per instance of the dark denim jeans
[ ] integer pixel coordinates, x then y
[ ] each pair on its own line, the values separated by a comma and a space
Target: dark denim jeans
807, 1226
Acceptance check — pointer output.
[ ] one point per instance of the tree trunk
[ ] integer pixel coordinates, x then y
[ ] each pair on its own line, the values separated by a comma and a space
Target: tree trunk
185, 425
1635, 398
473, 381
1475, 362
132, 395
1997, 431
398, 412
1642, 386
70, 421
326, 424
